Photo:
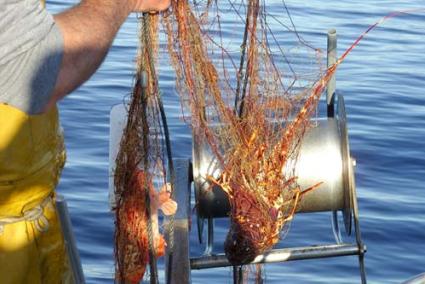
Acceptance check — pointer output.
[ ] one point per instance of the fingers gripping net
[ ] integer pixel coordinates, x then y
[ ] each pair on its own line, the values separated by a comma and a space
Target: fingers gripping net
251, 97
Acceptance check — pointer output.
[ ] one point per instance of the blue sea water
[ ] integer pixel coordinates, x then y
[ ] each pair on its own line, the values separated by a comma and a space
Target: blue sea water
383, 82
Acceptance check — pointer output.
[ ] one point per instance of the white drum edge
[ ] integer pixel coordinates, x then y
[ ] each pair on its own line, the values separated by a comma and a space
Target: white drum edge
117, 122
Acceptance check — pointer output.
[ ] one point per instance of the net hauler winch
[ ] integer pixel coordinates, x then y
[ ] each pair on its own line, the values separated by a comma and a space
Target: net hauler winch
324, 157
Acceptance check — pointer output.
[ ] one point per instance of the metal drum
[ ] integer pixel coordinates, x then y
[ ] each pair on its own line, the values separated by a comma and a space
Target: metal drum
324, 157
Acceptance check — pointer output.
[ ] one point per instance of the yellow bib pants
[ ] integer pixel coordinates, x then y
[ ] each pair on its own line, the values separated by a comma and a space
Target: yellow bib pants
31, 158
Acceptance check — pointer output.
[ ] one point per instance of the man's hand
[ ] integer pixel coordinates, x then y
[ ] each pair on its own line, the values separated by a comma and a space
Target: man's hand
150, 5
88, 30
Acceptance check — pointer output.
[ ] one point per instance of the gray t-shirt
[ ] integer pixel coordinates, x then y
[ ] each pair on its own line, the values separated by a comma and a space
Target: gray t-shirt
31, 48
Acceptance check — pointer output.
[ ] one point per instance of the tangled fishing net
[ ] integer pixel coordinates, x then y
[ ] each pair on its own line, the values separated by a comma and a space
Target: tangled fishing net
251, 96
252, 104
141, 167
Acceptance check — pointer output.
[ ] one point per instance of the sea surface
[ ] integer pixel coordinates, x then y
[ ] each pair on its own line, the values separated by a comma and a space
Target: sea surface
383, 82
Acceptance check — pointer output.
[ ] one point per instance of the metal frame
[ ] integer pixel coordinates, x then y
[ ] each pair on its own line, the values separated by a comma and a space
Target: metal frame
177, 258
182, 263
69, 238
280, 255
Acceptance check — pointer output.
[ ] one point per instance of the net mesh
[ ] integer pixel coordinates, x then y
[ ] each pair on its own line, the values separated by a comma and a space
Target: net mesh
140, 168
252, 103
251, 85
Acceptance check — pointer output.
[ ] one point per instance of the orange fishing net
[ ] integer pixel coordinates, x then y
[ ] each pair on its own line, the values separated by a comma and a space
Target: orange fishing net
251, 97
141, 166
253, 122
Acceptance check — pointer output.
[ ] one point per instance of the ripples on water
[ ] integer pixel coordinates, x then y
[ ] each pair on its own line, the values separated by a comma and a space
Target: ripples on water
383, 82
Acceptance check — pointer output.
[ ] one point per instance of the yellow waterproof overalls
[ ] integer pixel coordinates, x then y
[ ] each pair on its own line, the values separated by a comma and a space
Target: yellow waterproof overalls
31, 158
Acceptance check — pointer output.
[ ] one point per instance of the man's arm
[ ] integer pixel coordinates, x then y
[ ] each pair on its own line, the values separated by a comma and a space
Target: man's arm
88, 30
